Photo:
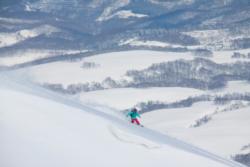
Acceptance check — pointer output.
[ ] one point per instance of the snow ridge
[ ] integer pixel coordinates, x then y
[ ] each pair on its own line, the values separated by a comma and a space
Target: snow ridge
110, 9
8, 39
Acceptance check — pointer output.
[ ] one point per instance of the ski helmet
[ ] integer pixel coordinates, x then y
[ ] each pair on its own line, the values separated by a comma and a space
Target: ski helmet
134, 109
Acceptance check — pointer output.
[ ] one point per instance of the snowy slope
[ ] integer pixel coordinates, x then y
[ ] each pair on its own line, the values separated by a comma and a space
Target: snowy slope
224, 127
123, 98
183, 22
107, 62
127, 97
123, 14
25, 56
107, 12
136, 42
8, 39
42, 31
218, 39
44, 129
234, 87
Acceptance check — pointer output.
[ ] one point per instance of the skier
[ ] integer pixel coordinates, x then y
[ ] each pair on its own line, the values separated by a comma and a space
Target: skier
134, 114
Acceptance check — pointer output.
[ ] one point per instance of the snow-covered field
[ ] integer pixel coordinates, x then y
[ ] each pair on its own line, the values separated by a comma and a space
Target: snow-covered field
226, 56
123, 98
114, 65
216, 135
44, 129
225, 134
24, 56
127, 97
234, 87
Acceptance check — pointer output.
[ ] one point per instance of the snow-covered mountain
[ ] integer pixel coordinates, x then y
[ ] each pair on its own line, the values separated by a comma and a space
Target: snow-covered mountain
172, 104
40, 128
104, 25
184, 64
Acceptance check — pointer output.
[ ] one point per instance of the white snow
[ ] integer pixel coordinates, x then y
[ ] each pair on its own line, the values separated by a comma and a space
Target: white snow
133, 139
24, 56
10, 20
224, 134
111, 8
120, 61
234, 17
217, 39
8, 39
213, 39
226, 56
28, 8
234, 87
123, 14
137, 42
51, 5
171, 4
96, 3
123, 98
224, 130
127, 97
39, 128
107, 62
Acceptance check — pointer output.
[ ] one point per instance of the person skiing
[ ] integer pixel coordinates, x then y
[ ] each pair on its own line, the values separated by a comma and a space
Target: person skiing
133, 115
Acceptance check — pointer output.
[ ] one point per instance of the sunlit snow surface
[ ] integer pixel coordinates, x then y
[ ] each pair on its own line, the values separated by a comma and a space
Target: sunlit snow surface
124, 98
40, 128
224, 134
113, 65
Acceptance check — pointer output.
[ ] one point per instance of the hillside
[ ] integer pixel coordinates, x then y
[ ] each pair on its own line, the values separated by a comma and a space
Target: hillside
71, 70
56, 131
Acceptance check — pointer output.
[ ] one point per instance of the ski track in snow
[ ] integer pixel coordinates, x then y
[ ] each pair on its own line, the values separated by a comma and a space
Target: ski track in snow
132, 139
151, 135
